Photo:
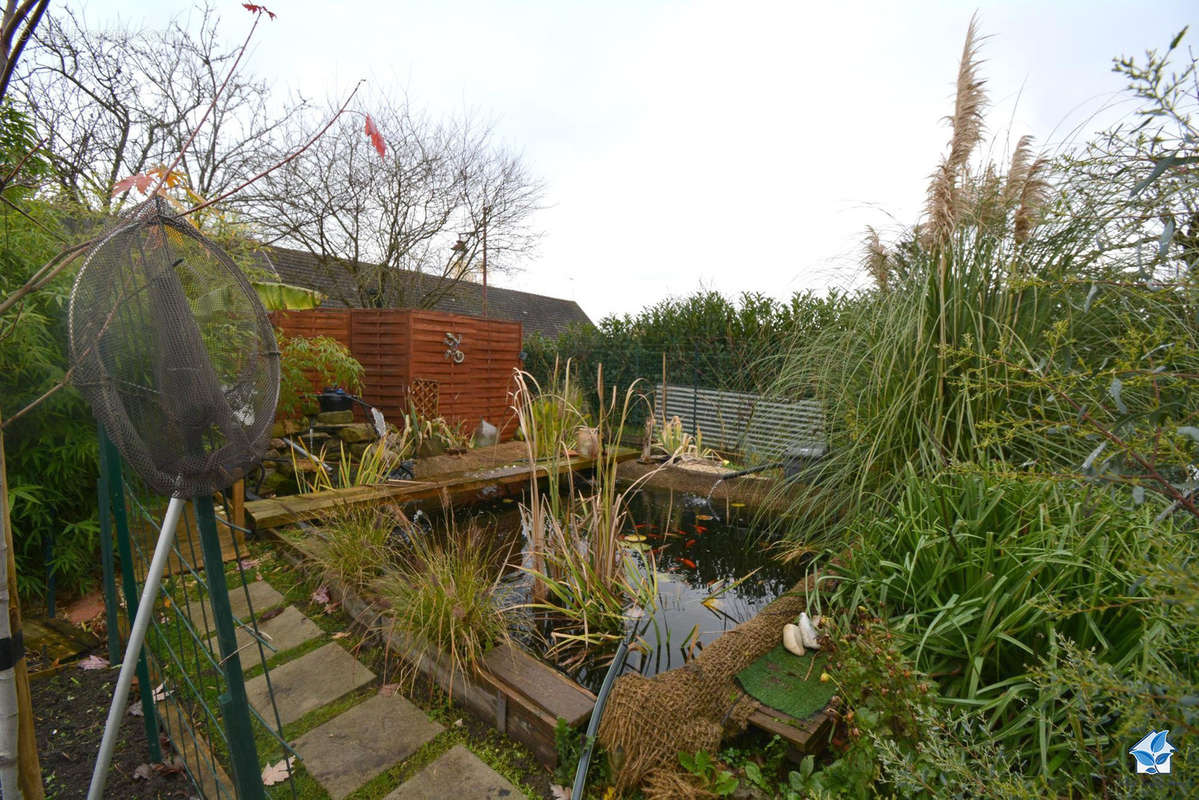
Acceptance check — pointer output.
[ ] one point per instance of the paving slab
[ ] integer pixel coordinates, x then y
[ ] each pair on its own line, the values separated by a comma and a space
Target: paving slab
311, 681
262, 595
353, 747
280, 634
457, 774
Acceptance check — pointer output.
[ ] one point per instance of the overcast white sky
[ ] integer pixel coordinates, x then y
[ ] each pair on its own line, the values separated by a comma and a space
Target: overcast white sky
740, 146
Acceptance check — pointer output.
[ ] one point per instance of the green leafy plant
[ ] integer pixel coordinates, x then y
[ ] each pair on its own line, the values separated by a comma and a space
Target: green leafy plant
552, 413
720, 782
583, 579
1024, 605
375, 464
307, 364
430, 436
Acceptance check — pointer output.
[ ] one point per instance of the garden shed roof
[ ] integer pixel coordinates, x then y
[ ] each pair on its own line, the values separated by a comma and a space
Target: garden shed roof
548, 316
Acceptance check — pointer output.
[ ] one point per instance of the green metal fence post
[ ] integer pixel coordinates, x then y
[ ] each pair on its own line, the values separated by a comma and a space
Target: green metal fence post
110, 464
108, 565
235, 708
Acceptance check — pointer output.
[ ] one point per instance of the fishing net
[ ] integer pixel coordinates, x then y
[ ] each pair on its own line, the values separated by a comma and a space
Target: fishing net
649, 721
174, 352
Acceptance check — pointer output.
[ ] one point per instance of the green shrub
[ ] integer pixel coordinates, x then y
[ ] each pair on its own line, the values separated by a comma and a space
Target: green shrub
352, 544
51, 451
1008, 594
304, 359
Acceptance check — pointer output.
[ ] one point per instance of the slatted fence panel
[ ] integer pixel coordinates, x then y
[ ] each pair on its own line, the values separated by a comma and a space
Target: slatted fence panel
741, 422
397, 346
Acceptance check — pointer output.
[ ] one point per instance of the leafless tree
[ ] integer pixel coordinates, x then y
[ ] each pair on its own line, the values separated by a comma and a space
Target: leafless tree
19, 22
402, 230
116, 102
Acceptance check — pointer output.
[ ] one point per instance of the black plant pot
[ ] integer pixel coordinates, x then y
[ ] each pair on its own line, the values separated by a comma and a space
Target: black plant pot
332, 399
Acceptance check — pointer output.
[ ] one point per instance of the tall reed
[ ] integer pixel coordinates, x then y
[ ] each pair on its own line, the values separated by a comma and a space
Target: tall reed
983, 320
582, 577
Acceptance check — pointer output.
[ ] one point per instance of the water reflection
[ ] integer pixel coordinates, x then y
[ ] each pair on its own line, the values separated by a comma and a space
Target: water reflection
712, 574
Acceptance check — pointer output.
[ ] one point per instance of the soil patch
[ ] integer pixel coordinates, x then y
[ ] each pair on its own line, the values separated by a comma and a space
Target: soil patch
500, 455
70, 705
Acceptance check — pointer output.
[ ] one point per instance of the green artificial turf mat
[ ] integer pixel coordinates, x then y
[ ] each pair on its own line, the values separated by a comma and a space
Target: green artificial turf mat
777, 680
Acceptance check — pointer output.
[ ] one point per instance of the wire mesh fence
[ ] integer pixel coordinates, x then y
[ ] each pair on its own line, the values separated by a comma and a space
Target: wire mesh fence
202, 643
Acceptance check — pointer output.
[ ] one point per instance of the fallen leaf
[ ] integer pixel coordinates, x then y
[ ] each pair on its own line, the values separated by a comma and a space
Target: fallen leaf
274, 612
389, 689
321, 595
331, 607
93, 662
135, 709
143, 772
277, 773
559, 792
341, 634
248, 563
172, 766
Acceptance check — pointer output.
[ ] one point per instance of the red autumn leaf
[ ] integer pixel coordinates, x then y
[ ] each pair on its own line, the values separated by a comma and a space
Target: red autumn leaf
141, 181
253, 9
376, 138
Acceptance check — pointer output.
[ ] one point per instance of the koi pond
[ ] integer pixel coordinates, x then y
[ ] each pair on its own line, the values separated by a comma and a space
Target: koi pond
707, 567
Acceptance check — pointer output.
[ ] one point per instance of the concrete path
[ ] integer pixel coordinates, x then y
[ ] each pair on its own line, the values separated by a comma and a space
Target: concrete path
366, 740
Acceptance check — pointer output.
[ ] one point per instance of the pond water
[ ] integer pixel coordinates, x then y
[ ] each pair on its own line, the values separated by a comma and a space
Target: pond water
713, 572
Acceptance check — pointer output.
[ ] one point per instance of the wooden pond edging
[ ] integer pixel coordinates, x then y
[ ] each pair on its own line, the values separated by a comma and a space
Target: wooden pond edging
524, 697
472, 486
521, 696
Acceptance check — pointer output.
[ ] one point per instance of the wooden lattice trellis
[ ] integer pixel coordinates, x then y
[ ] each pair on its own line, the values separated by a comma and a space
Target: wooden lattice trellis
425, 396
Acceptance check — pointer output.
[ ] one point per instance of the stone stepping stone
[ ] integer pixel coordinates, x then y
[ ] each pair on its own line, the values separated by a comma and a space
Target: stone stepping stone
353, 747
311, 681
289, 629
262, 594
458, 774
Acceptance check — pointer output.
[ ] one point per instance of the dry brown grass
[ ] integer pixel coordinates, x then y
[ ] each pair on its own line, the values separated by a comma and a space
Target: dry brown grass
947, 199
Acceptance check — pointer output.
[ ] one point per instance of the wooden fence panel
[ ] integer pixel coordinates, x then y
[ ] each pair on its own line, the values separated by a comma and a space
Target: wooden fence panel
471, 359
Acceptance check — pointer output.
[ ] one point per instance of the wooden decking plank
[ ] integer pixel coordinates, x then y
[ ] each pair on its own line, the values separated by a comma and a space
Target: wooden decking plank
803, 735
271, 513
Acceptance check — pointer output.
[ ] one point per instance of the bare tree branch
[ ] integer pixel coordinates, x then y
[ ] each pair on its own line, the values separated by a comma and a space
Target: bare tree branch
381, 231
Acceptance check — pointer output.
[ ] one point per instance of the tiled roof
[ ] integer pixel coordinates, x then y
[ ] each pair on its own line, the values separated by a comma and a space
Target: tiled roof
548, 316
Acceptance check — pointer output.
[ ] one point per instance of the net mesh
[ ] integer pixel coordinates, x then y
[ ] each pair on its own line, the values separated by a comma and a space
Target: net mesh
174, 352
649, 721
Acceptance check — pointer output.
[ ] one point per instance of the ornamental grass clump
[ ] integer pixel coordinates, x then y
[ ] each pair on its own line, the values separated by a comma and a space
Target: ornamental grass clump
583, 580
352, 546
1019, 325
444, 602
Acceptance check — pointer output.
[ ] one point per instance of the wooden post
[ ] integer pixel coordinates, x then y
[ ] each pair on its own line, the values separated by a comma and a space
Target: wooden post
239, 507
30, 769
